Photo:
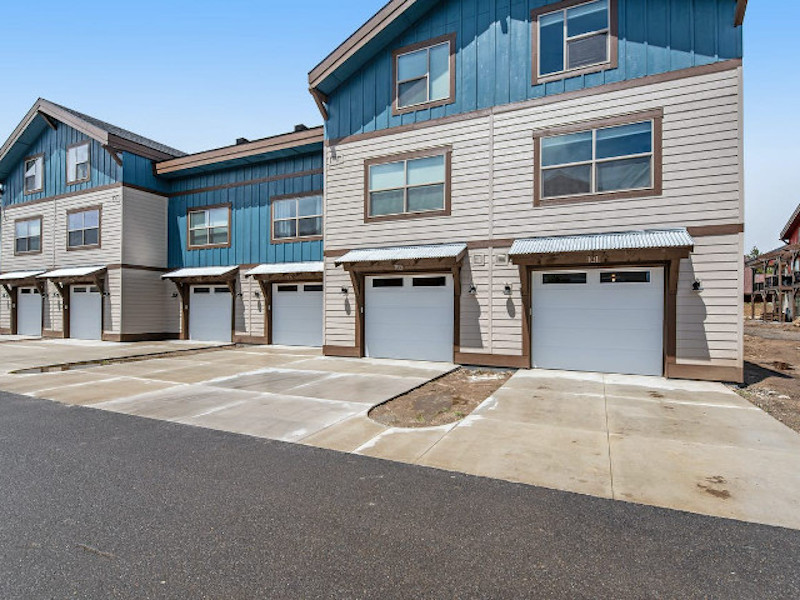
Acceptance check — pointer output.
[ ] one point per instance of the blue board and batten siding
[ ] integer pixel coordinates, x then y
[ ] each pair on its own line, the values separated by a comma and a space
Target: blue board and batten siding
250, 212
54, 144
138, 171
493, 56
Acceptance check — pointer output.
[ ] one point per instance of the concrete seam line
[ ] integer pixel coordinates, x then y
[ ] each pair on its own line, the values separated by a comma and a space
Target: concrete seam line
608, 441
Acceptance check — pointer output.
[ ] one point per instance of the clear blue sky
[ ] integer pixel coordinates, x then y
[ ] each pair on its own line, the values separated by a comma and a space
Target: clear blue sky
197, 75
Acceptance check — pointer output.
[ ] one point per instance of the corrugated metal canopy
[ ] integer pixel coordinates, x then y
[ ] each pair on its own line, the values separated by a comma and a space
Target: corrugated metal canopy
17, 275
627, 240
287, 268
195, 272
71, 272
403, 253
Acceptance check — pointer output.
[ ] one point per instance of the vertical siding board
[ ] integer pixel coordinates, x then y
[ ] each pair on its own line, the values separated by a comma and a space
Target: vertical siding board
250, 212
493, 58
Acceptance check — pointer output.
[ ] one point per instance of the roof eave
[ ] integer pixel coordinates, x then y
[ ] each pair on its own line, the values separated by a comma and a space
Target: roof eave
741, 9
286, 141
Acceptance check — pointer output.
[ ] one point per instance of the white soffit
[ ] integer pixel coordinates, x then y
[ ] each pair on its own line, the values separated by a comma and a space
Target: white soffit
287, 268
403, 253
193, 272
628, 240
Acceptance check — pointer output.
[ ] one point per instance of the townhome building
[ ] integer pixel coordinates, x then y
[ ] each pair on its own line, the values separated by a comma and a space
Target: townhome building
84, 224
537, 184
245, 240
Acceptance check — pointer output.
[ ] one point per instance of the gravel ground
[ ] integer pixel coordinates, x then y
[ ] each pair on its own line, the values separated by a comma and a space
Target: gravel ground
772, 370
442, 401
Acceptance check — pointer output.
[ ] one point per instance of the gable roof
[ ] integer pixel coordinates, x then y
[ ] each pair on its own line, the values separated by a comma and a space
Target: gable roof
297, 142
792, 224
45, 114
378, 31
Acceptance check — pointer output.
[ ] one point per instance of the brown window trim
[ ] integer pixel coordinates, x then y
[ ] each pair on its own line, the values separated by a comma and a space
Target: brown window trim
451, 38
88, 170
613, 34
99, 244
36, 191
192, 209
307, 238
656, 115
41, 234
446, 151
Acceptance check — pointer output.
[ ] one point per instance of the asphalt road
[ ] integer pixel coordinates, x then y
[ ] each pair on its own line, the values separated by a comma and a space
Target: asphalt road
99, 505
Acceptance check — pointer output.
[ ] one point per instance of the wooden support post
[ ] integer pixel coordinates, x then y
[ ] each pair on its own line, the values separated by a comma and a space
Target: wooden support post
357, 280
527, 307
63, 291
456, 308
231, 283
12, 294
183, 292
266, 292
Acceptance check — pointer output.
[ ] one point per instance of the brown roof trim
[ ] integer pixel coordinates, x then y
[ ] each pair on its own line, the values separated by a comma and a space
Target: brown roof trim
789, 224
717, 67
713, 230
283, 141
741, 9
49, 111
379, 21
235, 184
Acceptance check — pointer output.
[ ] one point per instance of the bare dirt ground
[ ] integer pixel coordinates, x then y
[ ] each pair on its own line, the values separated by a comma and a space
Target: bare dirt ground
772, 370
442, 401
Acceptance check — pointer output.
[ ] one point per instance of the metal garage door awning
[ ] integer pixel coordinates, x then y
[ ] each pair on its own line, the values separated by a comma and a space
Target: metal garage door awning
202, 274
16, 277
447, 254
601, 242
74, 274
299, 268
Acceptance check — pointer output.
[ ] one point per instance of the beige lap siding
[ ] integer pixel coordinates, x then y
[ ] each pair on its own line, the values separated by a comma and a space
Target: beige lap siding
492, 198
52, 314
112, 303
710, 322
144, 238
340, 309
147, 303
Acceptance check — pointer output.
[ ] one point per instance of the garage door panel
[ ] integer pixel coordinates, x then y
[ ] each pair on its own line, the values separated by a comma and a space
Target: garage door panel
297, 313
85, 313
600, 325
410, 322
29, 312
210, 309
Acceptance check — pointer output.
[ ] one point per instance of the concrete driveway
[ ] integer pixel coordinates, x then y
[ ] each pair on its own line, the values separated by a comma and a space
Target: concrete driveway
693, 446
19, 352
279, 393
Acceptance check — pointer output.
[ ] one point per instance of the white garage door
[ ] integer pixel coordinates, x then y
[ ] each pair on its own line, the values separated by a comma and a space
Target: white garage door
29, 312
604, 320
85, 312
210, 314
409, 317
297, 314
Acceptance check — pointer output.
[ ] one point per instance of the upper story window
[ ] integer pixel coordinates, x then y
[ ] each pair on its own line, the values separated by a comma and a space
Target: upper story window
577, 37
34, 174
298, 217
209, 227
617, 158
83, 228
28, 236
415, 184
424, 74
78, 163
